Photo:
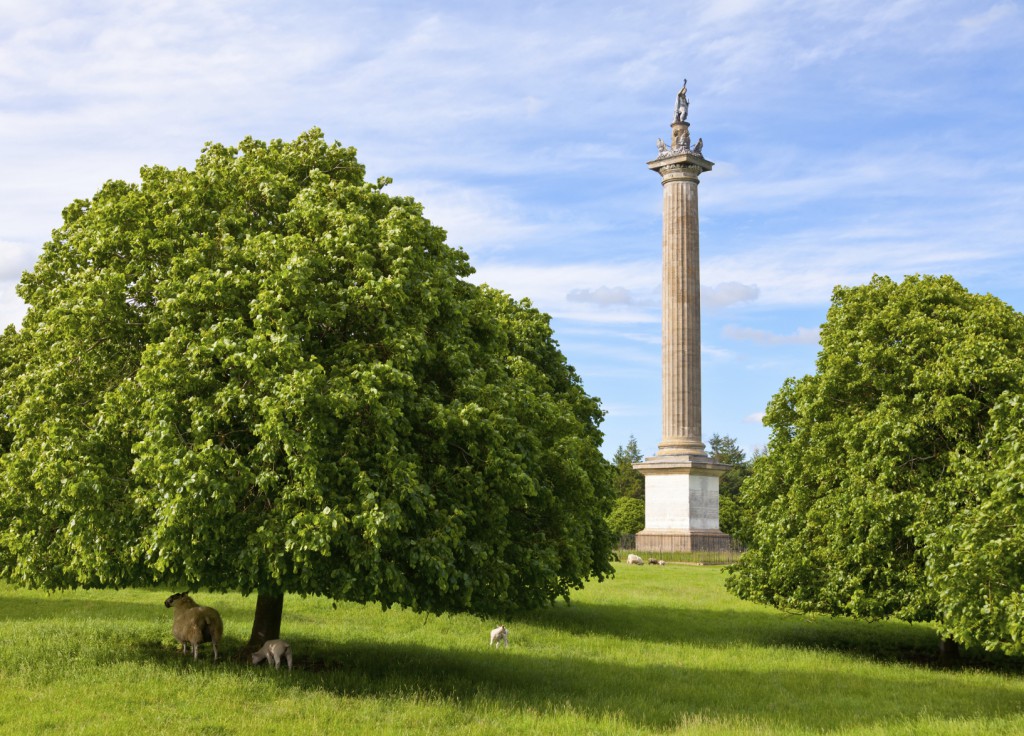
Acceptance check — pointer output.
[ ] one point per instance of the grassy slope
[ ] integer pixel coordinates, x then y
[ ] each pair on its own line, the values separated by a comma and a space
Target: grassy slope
654, 650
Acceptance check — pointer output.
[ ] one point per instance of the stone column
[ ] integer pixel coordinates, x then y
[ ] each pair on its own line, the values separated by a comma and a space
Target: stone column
681, 481
680, 307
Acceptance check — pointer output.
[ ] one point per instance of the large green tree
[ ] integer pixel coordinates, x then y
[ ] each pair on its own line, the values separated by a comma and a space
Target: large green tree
887, 467
267, 375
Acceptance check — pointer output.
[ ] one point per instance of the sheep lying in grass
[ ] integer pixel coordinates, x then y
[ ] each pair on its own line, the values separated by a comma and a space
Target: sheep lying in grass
194, 624
634, 560
655, 561
272, 651
498, 636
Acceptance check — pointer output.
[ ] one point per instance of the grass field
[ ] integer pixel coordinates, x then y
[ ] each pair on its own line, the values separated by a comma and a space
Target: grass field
655, 650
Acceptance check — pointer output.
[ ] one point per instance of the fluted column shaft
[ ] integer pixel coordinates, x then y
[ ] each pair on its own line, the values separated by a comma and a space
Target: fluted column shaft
680, 298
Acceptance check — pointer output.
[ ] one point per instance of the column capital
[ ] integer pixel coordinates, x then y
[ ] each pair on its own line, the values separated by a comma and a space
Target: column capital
685, 165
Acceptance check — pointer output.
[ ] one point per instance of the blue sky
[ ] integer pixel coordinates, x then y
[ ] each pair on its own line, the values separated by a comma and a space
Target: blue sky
850, 138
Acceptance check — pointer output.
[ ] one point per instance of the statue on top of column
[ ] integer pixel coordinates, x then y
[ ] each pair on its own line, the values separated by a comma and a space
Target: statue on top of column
682, 105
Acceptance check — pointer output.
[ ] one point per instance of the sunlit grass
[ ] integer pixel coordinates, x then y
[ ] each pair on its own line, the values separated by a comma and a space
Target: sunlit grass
655, 650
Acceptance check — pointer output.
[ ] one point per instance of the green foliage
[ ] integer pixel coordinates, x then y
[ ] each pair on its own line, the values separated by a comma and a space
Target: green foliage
627, 513
627, 516
266, 374
874, 498
976, 562
725, 449
628, 483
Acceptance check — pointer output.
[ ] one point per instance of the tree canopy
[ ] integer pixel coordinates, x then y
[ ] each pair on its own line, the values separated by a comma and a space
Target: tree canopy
893, 473
265, 374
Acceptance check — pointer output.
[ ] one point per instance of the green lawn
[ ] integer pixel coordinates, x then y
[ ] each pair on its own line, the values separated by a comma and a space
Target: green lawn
655, 650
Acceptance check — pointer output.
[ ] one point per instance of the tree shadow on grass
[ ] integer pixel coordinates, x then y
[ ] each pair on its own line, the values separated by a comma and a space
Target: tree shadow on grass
656, 696
882, 641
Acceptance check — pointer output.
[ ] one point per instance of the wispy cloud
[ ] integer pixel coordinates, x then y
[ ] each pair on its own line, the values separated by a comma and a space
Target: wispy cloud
477, 218
728, 293
998, 19
603, 296
716, 353
579, 291
14, 258
802, 336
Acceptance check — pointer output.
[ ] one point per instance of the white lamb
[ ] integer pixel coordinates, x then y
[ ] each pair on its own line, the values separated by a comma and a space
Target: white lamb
498, 636
272, 651
634, 560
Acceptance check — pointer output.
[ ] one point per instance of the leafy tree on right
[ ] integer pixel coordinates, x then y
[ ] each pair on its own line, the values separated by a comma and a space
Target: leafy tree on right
893, 481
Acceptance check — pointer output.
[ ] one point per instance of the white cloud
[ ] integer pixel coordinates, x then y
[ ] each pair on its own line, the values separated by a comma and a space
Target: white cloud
603, 296
12, 309
612, 336
996, 20
476, 218
716, 353
15, 258
728, 293
550, 288
756, 418
802, 336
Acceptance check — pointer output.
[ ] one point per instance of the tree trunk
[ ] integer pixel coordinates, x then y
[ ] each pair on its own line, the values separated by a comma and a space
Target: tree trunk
949, 650
266, 624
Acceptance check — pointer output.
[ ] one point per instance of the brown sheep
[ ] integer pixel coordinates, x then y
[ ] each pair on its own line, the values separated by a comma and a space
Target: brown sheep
194, 624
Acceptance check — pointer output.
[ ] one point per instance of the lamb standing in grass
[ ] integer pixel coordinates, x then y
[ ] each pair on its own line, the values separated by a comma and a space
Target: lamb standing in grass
498, 636
634, 560
272, 651
194, 624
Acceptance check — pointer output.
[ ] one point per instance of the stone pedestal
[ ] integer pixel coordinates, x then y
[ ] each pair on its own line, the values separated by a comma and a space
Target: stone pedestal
681, 505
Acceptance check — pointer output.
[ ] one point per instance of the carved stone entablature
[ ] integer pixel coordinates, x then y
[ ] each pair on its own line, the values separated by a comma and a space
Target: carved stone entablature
680, 165
691, 169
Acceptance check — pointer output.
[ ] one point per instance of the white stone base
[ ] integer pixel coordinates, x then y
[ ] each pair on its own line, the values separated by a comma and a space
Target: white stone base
681, 504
